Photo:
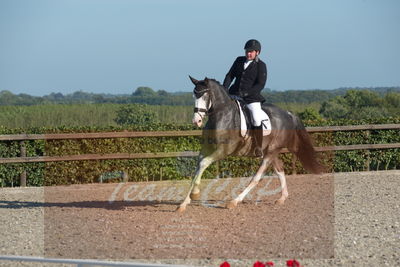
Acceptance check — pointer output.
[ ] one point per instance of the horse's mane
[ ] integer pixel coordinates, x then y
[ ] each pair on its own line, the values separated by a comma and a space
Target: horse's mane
220, 88
213, 80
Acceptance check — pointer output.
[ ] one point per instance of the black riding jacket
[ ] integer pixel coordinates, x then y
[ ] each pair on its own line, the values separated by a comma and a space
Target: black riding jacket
248, 82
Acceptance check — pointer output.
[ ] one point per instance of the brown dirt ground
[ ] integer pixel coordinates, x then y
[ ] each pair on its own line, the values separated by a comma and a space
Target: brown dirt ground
138, 220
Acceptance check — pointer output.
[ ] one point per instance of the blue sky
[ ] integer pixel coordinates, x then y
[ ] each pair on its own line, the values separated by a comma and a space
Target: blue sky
115, 46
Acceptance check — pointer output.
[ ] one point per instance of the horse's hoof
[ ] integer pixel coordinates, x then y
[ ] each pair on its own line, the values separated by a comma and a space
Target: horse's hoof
195, 196
280, 201
231, 205
181, 209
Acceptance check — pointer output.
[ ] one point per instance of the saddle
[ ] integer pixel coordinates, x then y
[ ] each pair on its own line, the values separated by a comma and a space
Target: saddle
246, 120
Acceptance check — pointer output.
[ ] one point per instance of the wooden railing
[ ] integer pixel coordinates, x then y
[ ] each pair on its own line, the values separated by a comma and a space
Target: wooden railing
105, 135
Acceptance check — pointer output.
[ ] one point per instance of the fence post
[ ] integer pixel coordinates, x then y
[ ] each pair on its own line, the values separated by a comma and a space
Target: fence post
125, 176
23, 173
368, 151
368, 162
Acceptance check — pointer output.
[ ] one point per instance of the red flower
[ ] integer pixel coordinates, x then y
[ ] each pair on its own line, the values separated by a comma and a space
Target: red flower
258, 264
270, 263
225, 264
292, 263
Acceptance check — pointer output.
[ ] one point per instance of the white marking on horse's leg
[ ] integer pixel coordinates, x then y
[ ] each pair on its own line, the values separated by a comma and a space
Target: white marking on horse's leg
254, 181
194, 185
285, 193
203, 165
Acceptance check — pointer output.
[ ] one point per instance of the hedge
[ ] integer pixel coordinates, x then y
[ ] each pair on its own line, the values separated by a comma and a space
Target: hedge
73, 172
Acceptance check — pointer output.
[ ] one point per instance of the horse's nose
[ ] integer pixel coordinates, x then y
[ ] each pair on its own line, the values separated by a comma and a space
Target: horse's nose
197, 120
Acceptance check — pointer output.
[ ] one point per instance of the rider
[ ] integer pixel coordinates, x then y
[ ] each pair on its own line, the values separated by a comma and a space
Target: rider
250, 74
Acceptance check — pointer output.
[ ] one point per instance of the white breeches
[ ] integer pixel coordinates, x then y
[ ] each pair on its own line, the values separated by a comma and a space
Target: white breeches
257, 114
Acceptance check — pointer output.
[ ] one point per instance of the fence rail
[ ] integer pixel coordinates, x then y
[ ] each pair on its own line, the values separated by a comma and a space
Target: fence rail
105, 135
81, 262
109, 135
126, 134
101, 157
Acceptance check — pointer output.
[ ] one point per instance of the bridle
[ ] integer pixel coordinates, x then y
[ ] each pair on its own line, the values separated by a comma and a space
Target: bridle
202, 111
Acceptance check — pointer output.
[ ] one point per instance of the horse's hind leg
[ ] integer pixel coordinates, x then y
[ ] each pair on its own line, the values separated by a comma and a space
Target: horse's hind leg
254, 181
278, 167
194, 190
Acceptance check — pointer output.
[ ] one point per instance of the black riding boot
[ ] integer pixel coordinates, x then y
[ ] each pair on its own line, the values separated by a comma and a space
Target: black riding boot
258, 137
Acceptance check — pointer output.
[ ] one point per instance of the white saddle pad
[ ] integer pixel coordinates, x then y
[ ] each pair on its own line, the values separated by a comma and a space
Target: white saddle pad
266, 122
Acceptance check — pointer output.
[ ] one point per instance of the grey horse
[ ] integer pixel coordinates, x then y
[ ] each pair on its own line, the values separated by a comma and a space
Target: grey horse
222, 137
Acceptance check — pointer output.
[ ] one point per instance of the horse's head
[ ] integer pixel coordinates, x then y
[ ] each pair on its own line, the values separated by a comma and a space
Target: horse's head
202, 100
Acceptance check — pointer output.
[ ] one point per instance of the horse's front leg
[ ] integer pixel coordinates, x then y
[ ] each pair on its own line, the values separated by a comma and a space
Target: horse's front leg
254, 181
194, 191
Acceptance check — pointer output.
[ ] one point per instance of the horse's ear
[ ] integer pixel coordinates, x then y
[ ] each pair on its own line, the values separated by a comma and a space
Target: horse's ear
194, 81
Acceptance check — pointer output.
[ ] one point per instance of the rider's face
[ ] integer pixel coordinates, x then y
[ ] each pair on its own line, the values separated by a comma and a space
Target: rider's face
251, 55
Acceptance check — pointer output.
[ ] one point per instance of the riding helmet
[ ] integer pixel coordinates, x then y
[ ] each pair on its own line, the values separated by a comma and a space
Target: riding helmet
252, 45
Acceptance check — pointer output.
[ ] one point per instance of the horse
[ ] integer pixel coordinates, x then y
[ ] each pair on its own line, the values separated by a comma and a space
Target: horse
222, 135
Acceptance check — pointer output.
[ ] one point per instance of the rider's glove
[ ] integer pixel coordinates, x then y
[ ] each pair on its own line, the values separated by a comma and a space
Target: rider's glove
243, 94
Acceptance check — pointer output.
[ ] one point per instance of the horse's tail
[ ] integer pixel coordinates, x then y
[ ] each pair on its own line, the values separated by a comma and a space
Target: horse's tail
304, 149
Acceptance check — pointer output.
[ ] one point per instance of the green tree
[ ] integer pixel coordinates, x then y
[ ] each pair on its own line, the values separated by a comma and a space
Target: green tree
310, 114
369, 113
144, 91
364, 98
135, 114
162, 93
336, 108
357, 104
392, 100
7, 98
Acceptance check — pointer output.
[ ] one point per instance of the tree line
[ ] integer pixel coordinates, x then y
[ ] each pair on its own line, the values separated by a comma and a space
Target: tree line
146, 95
86, 109
356, 105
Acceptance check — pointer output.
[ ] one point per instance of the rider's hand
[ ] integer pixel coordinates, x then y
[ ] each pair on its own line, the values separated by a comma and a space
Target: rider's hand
243, 94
